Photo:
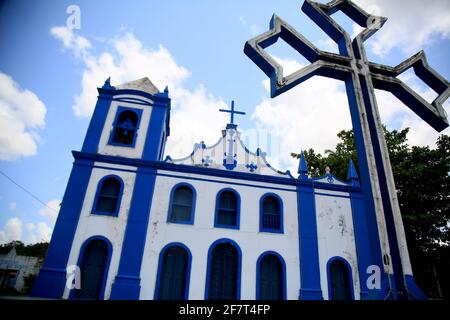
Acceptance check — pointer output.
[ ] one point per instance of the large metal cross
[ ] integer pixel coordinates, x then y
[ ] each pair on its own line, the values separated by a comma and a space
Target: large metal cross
361, 77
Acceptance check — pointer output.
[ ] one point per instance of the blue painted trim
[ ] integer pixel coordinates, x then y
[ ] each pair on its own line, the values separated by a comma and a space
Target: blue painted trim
97, 195
397, 286
51, 280
280, 202
208, 268
413, 289
158, 97
160, 265
194, 200
350, 275
308, 244
127, 281
330, 178
331, 195
115, 169
161, 165
258, 272
238, 210
119, 111
366, 222
302, 167
221, 182
133, 100
362, 243
105, 271
155, 132
96, 125
198, 179
352, 175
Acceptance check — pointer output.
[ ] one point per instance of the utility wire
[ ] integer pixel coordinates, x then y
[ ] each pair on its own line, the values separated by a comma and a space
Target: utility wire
24, 189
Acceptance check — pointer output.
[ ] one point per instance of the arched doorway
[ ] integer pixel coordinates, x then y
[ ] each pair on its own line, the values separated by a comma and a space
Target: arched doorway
173, 273
270, 280
223, 273
339, 280
93, 270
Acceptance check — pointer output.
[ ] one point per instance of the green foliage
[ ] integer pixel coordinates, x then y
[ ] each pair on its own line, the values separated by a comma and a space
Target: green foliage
35, 250
422, 180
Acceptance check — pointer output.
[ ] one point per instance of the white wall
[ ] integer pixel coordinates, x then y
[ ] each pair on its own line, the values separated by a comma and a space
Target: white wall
112, 228
198, 238
334, 227
335, 235
136, 152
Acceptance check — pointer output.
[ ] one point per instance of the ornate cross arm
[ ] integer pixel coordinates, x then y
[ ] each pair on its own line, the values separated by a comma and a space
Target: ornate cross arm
385, 78
321, 15
350, 60
322, 62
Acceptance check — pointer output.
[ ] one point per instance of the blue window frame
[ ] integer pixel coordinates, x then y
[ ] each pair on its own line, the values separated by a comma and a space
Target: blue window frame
228, 205
93, 260
340, 280
271, 214
174, 268
270, 277
125, 127
223, 274
108, 196
182, 204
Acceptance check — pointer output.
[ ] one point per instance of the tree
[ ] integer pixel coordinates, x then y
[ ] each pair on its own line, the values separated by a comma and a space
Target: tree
34, 250
422, 180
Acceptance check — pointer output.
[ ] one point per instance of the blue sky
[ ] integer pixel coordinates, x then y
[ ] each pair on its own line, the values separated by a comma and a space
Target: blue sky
49, 75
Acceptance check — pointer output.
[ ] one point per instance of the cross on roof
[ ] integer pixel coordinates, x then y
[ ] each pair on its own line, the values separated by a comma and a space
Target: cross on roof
232, 111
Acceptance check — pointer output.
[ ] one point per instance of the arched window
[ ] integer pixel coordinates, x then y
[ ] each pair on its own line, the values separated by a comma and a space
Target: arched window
271, 216
181, 209
93, 269
339, 280
223, 272
173, 274
108, 196
271, 277
227, 209
125, 127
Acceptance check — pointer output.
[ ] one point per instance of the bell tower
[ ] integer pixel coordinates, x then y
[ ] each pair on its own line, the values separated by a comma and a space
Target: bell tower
130, 120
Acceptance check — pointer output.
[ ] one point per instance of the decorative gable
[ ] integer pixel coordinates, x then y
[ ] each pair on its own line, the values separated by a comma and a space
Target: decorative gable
229, 153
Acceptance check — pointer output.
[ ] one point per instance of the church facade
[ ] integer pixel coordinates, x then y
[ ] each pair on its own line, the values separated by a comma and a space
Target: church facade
220, 223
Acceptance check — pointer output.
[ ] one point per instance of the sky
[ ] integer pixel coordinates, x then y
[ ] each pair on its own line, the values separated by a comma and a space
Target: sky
49, 72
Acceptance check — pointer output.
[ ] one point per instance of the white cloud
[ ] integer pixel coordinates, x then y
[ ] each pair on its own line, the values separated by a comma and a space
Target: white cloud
28, 232
188, 125
21, 115
39, 232
302, 115
130, 60
11, 231
255, 29
78, 44
51, 210
411, 24
35, 232
12, 206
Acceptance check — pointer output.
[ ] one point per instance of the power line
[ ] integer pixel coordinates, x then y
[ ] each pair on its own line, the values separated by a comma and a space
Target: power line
29, 192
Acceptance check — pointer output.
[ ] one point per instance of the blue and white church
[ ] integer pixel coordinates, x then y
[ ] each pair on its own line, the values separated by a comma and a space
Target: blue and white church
221, 223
